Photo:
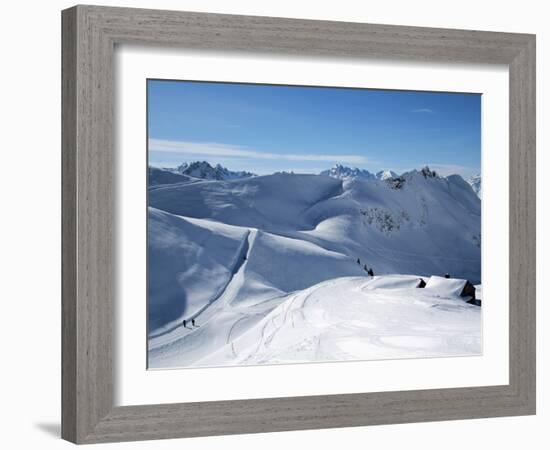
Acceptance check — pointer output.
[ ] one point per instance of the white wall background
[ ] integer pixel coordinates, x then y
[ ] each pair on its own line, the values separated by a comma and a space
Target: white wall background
31, 209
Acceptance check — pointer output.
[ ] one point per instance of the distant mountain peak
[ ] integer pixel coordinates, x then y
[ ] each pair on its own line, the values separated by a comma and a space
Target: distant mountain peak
398, 181
386, 174
428, 173
351, 173
348, 173
203, 170
424, 172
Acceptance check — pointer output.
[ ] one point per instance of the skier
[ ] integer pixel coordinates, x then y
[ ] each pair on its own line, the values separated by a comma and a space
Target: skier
184, 323
193, 322
370, 272
358, 261
447, 275
365, 268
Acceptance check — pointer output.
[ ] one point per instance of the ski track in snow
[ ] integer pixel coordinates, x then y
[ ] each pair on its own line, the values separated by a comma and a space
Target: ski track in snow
238, 266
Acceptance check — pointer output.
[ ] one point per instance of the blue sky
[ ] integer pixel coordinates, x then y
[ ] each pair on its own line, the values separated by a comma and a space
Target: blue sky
265, 128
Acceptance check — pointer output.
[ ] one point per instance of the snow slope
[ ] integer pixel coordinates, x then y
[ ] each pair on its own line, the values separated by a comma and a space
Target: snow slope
229, 254
157, 176
336, 320
426, 226
191, 262
267, 202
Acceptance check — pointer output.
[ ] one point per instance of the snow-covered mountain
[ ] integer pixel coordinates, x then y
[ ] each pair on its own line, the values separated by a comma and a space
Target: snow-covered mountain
353, 173
475, 182
229, 253
386, 174
347, 173
202, 169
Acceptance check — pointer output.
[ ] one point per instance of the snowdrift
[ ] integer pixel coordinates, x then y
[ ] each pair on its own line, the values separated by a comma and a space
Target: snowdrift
393, 282
446, 287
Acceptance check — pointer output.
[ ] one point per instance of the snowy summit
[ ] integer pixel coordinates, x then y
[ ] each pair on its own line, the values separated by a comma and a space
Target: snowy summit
353, 173
203, 170
348, 173
386, 174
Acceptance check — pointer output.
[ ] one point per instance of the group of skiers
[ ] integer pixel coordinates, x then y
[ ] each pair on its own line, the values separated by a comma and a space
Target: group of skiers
186, 321
365, 268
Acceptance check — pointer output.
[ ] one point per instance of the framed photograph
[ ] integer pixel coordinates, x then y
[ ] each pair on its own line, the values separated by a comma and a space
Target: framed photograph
279, 224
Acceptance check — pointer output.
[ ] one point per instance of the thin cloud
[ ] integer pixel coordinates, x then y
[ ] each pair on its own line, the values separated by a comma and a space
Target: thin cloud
423, 110
215, 149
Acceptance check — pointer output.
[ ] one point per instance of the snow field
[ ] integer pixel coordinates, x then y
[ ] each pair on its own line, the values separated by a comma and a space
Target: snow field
268, 268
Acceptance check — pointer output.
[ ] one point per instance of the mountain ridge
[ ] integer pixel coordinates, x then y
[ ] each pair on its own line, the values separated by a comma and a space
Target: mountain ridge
205, 171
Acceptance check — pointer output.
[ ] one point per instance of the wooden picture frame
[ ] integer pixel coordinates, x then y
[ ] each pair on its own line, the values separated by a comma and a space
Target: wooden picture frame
90, 34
